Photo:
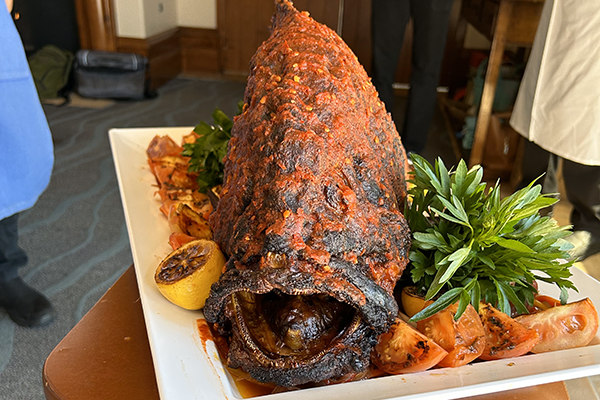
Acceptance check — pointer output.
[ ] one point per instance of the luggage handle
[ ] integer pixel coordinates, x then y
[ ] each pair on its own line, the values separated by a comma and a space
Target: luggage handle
110, 60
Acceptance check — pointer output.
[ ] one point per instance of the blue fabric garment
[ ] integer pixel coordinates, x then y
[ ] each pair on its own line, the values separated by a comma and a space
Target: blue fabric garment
26, 150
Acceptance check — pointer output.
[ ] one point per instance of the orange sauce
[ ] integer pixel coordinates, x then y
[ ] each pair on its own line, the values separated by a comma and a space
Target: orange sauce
250, 388
247, 386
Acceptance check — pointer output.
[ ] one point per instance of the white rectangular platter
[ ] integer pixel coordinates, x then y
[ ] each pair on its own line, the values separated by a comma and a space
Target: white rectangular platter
186, 370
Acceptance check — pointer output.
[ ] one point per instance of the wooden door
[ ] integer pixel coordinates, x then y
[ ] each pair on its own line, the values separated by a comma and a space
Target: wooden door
244, 24
96, 25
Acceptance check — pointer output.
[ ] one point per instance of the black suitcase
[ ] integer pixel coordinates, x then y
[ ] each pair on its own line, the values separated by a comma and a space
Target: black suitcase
102, 74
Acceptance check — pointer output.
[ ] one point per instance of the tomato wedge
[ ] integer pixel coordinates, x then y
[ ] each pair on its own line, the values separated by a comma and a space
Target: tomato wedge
564, 326
464, 340
178, 239
403, 349
504, 337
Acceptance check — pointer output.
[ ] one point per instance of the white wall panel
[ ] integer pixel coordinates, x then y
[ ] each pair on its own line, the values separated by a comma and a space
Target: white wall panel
141, 19
197, 13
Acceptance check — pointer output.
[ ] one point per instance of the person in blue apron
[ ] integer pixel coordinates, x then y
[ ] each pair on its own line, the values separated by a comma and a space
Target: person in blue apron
26, 161
558, 110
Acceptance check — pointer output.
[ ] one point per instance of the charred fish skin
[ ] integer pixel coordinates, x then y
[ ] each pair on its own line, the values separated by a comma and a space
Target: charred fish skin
312, 200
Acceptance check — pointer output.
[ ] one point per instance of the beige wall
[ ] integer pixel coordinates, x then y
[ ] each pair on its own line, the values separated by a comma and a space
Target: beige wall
197, 13
129, 19
159, 16
141, 19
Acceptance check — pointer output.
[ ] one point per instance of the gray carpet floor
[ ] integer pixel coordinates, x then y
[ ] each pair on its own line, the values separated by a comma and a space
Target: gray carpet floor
76, 236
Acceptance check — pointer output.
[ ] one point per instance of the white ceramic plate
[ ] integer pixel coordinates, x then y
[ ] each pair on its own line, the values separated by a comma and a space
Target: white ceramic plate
185, 369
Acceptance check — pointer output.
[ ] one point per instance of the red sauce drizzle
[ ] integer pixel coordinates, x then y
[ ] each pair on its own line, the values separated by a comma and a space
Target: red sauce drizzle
247, 386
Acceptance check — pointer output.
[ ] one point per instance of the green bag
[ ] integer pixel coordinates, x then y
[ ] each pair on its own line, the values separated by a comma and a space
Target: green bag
51, 68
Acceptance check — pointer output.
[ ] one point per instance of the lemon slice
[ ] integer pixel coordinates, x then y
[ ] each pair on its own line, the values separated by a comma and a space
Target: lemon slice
185, 276
412, 302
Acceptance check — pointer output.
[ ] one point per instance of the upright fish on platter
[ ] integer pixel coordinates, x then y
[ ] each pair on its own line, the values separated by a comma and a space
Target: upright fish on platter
310, 221
310, 214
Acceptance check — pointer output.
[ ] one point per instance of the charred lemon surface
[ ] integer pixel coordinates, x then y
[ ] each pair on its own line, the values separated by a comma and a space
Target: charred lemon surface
185, 276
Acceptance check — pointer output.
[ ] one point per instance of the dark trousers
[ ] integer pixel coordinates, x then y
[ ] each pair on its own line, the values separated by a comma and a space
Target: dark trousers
11, 255
430, 22
582, 184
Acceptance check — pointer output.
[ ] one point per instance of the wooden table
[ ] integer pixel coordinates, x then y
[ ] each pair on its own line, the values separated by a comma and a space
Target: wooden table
504, 22
106, 356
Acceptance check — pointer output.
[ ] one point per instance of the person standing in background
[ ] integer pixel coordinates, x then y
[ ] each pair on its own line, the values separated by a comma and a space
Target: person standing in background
26, 161
430, 27
558, 110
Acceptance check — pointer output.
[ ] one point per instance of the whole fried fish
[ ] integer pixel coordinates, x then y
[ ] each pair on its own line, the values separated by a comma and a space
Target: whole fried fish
310, 214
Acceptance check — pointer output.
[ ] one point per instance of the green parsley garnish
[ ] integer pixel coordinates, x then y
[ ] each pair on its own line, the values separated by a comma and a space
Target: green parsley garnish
207, 152
469, 245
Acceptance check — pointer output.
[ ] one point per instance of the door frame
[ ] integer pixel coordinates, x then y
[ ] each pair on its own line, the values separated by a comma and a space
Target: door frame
96, 24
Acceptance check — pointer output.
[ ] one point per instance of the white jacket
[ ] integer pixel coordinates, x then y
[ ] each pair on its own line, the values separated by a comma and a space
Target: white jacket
558, 105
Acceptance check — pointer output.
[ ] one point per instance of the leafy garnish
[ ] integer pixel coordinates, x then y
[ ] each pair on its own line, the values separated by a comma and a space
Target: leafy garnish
469, 245
207, 152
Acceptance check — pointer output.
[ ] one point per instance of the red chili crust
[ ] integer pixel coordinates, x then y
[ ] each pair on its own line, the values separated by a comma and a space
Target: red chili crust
313, 192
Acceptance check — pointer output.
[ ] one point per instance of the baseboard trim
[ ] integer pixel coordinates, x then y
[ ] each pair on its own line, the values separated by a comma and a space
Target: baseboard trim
182, 50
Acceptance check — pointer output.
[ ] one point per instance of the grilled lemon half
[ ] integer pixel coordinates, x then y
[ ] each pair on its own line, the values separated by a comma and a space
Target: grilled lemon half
185, 276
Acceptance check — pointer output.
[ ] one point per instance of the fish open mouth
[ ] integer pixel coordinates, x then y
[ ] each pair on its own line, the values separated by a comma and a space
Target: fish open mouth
291, 337
298, 327
291, 328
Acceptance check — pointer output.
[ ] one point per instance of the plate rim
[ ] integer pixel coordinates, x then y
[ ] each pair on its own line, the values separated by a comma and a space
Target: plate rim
163, 318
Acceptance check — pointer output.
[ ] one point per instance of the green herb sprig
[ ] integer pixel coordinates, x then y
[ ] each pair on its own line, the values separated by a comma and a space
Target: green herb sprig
208, 151
469, 245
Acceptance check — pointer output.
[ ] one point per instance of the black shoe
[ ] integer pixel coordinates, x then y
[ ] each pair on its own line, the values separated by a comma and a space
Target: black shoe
585, 244
25, 305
